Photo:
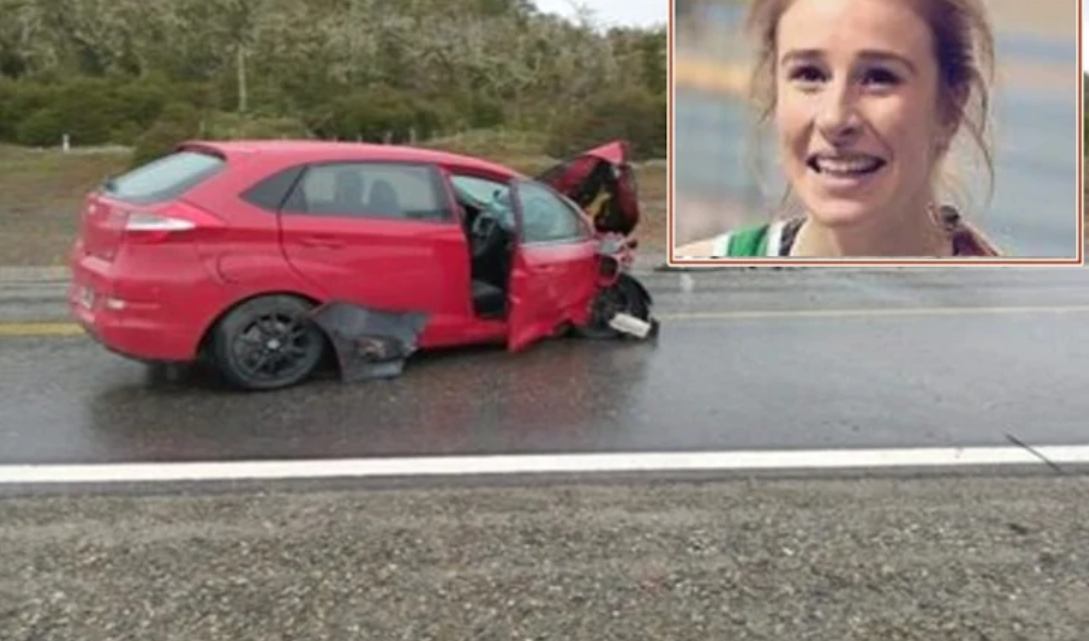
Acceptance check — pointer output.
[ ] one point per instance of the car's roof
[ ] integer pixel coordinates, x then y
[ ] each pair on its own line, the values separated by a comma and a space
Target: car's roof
311, 150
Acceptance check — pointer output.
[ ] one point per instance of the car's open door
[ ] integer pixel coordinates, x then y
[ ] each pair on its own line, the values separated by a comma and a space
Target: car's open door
553, 267
529, 320
602, 182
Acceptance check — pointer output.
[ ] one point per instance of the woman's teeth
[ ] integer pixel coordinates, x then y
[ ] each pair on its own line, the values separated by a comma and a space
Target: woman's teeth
853, 167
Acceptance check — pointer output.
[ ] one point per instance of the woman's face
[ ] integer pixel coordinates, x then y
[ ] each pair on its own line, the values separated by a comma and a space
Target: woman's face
856, 108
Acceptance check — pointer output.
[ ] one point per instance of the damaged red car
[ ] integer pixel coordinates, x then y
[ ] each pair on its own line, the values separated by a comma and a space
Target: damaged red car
265, 257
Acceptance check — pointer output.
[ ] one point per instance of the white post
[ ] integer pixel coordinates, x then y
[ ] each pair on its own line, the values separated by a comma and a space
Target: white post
65, 143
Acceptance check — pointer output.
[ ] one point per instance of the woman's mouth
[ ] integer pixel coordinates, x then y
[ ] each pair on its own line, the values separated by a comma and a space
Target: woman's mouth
844, 166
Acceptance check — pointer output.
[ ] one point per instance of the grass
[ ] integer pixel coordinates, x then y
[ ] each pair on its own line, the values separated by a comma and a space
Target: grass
43, 191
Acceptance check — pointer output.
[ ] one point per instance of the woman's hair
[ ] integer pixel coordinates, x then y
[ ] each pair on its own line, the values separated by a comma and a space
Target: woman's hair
963, 50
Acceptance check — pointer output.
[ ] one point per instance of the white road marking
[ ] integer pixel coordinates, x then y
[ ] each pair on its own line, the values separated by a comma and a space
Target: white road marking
884, 312
541, 464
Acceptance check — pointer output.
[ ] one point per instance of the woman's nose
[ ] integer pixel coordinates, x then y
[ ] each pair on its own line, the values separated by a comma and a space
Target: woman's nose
837, 116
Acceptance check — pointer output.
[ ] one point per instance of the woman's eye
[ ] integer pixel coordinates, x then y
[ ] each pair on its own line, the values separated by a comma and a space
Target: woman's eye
881, 77
806, 73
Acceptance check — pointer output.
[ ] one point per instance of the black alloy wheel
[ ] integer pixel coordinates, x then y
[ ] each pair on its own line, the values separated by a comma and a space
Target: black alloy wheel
268, 343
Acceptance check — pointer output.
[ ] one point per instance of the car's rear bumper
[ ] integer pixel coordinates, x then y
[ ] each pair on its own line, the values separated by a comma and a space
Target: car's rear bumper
143, 328
137, 332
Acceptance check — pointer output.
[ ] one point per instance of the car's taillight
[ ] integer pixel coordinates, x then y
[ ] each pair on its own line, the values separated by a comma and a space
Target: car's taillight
141, 221
157, 226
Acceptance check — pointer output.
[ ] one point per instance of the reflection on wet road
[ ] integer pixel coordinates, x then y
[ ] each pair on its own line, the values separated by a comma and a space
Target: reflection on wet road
711, 382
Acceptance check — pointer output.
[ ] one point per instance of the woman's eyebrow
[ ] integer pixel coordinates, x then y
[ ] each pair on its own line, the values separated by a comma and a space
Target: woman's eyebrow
868, 55
801, 55
873, 55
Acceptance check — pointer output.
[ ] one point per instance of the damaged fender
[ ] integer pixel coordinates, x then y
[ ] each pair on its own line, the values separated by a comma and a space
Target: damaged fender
638, 285
632, 325
369, 343
621, 309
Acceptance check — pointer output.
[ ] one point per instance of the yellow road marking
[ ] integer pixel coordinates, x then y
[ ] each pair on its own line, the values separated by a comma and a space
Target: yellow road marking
38, 329
34, 329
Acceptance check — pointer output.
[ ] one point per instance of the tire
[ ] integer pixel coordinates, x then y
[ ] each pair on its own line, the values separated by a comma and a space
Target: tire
273, 328
166, 373
624, 296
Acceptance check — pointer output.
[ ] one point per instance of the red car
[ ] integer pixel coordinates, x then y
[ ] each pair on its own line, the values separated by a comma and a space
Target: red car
263, 257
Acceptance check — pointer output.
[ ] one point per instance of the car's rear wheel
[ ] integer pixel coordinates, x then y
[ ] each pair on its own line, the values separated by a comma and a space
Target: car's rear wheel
267, 343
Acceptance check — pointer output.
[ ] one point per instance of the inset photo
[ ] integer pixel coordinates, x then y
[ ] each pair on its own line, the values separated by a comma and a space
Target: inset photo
877, 130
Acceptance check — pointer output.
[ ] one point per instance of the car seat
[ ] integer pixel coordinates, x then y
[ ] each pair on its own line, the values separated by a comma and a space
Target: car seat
347, 191
383, 199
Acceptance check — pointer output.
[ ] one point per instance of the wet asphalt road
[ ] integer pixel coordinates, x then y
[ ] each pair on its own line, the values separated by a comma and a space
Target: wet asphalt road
810, 367
746, 359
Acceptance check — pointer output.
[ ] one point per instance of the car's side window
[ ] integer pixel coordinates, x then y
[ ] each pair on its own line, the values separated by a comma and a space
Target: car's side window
372, 190
271, 192
547, 218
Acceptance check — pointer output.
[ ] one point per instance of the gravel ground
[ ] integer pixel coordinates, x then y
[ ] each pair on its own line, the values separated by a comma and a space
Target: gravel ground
960, 559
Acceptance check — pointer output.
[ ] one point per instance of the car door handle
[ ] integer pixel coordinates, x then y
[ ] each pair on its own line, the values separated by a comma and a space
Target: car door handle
322, 242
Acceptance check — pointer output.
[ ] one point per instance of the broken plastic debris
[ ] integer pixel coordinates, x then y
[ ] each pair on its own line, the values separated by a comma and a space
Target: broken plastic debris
630, 325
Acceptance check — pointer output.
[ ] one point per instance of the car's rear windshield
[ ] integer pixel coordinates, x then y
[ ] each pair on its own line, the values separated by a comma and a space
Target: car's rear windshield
165, 178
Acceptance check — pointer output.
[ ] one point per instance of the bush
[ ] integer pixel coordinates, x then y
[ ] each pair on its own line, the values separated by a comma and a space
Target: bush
493, 143
19, 100
379, 114
231, 126
474, 111
632, 113
143, 102
178, 122
92, 111
87, 110
44, 128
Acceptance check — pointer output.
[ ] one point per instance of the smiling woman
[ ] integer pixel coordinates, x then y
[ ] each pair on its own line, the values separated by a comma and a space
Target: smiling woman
867, 97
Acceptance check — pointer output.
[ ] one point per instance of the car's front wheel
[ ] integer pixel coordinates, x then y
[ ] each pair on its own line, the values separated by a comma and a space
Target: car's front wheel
626, 297
267, 343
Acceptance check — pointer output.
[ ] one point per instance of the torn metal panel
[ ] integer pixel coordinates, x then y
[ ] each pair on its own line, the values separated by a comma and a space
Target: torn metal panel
370, 343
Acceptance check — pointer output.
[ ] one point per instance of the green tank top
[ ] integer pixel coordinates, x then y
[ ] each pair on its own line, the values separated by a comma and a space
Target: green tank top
775, 238
765, 239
